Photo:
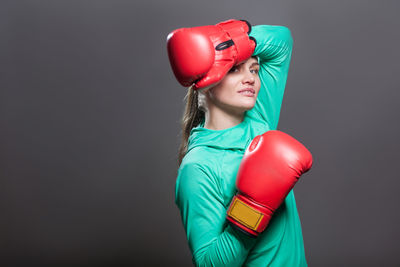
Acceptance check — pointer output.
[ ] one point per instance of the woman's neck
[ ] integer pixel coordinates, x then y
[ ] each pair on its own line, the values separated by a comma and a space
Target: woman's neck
218, 119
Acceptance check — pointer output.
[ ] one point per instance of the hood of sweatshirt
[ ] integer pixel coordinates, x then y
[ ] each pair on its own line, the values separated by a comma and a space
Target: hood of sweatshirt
236, 137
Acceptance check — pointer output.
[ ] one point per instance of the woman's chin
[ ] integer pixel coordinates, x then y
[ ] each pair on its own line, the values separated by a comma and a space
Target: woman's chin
247, 105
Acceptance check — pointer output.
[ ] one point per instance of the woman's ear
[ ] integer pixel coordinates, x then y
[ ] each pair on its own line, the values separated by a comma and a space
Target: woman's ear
202, 98
205, 90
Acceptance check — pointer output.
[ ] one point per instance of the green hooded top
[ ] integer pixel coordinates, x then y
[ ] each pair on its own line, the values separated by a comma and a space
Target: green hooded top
206, 177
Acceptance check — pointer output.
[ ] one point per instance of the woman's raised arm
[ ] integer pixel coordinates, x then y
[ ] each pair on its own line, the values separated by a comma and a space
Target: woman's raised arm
274, 50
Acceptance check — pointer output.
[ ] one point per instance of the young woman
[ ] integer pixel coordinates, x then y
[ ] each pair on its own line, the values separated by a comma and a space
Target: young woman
218, 124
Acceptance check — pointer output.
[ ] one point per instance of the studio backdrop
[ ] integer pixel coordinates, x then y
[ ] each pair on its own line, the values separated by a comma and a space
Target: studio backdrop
90, 127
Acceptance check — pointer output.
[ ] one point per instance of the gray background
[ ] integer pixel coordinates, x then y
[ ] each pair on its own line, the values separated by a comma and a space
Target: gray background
89, 128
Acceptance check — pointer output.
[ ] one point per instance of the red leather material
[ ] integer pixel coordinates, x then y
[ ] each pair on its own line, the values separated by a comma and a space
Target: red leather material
271, 166
236, 30
191, 53
197, 57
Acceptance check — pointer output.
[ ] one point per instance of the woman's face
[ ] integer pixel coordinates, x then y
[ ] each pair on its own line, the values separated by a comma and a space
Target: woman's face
238, 90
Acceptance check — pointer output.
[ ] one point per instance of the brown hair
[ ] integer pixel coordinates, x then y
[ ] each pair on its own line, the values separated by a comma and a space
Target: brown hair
192, 116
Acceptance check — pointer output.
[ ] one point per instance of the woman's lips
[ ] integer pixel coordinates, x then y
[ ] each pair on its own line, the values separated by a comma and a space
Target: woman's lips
247, 92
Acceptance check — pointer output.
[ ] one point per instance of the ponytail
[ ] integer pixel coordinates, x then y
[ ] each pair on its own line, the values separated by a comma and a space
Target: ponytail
192, 116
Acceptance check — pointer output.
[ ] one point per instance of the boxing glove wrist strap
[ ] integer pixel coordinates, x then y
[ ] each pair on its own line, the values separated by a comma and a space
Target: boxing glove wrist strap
248, 215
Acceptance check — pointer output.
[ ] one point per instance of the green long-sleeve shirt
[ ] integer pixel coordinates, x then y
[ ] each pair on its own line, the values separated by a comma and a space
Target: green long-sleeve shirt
206, 177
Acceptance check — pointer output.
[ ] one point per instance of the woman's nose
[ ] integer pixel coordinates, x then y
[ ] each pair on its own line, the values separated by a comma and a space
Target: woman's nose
248, 78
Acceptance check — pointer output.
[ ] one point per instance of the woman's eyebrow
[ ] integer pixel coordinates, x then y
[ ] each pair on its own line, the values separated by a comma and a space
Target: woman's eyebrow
255, 63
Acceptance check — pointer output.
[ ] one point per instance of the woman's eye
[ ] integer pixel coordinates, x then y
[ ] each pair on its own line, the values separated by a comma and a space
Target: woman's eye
255, 71
233, 69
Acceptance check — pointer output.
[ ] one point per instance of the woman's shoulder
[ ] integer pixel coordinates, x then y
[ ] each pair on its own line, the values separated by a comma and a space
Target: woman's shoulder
202, 158
201, 161
197, 174
197, 179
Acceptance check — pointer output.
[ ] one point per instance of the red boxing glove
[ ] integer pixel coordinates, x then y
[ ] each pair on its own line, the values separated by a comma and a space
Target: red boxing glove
270, 167
203, 55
